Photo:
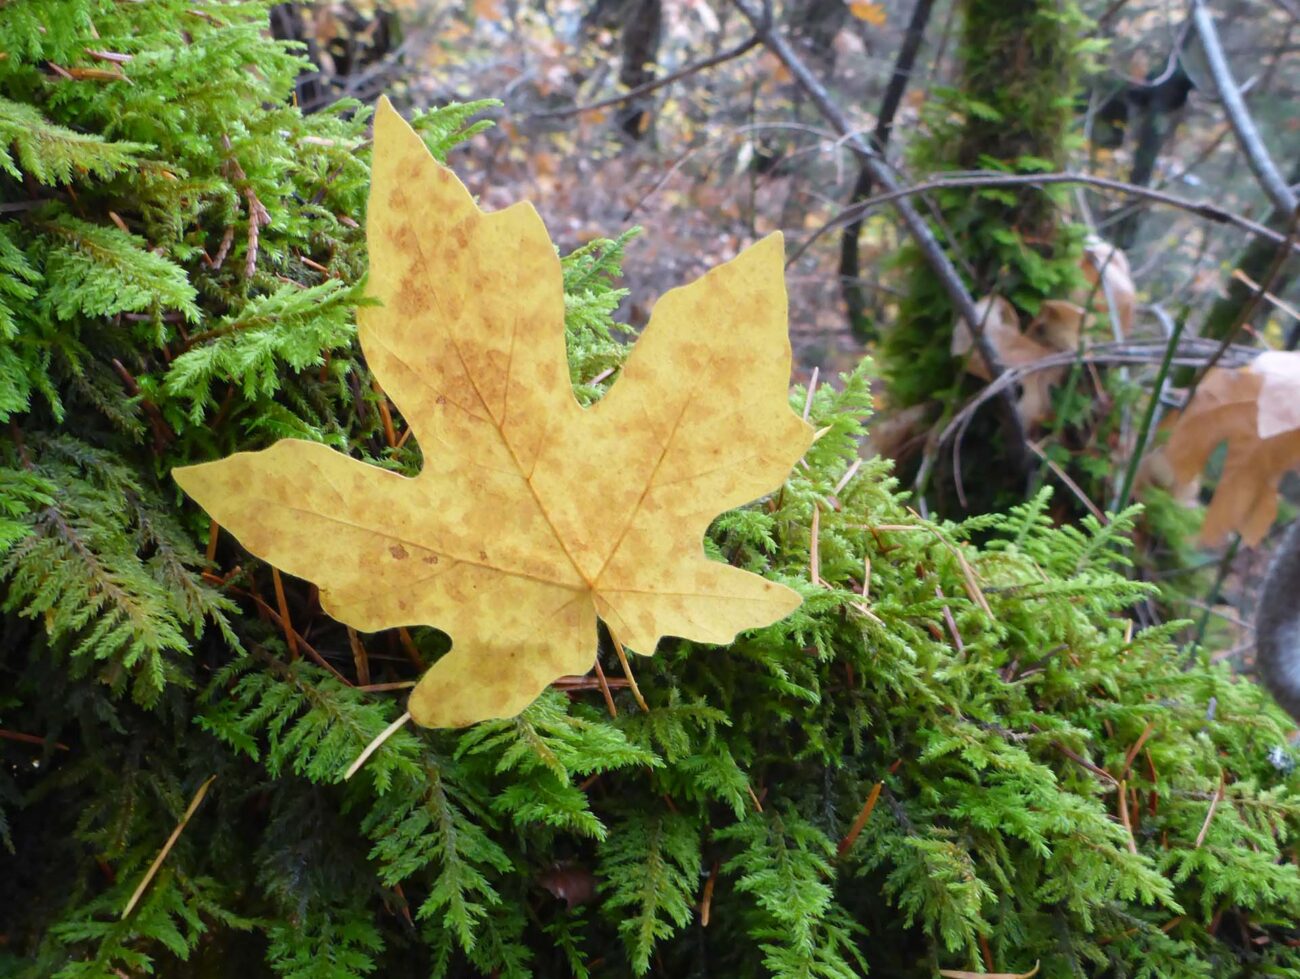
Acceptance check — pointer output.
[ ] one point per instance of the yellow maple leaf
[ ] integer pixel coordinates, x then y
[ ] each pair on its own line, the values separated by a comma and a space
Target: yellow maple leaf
532, 515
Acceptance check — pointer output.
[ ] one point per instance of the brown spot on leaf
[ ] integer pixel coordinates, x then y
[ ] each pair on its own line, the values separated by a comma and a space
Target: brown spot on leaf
398, 552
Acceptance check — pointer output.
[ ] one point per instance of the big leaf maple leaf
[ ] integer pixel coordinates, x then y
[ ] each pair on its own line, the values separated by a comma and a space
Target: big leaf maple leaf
532, 515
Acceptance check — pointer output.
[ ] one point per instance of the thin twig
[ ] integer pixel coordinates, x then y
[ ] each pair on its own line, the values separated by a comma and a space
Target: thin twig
656, 83
1190, 353
1068, 483
6, 735
1248, 309
1204, 209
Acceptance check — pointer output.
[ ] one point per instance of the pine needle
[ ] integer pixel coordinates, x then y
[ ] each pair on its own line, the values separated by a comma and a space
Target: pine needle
627, 672
373, 746
167, 848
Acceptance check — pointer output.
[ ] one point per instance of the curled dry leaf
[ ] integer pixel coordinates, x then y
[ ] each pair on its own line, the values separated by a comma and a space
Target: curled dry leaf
1018, 349
532, 515
570, 882
1254, 409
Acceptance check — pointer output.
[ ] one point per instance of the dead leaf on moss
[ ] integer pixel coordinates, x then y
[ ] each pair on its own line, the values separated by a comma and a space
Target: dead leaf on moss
532, 515
1254, 410
1017, 349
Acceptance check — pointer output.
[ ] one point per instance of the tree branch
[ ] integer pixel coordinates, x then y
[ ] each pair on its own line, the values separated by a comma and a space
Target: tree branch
1211, 212
854, 299
1261, 164
650, 86
1012, 426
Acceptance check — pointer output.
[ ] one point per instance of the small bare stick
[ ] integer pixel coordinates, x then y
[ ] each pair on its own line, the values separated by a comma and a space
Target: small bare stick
604, 689
359, 657
627, 672
167, 848
387, 687
373, 746
290, 636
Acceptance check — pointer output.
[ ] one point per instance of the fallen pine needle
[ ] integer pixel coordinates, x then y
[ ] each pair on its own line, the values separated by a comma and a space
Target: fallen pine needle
604, 689
1137, 746
812, 387
814, 547
1124, 817
706, 901
1214, 804
851, 837
385, 687
964, 974
373, 746
290, 637
167, 848
627, 672
844, 480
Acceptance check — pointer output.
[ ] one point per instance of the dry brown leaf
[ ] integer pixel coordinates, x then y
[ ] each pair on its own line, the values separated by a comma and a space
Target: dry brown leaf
1002, 327
1279, 396
1058, 325
1230, 405
532, 515
1101, 258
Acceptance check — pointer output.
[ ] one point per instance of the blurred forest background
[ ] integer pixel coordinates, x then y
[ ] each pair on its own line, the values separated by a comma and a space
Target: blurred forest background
1167, 220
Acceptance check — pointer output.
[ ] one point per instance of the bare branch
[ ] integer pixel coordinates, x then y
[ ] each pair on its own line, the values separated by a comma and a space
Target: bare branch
1211, 212
1192, 352
1261, 164
854, 298
698, 66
